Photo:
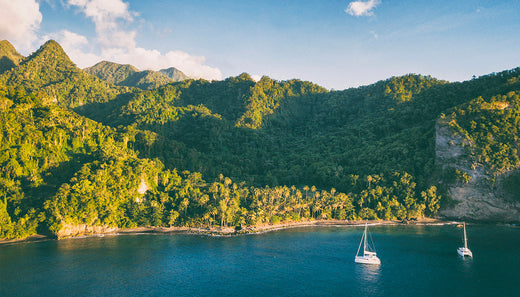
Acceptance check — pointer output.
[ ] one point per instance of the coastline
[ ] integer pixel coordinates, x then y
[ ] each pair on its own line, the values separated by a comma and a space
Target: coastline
223, 231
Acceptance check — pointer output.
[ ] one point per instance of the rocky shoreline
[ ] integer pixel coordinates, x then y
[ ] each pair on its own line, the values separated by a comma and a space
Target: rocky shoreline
97, 231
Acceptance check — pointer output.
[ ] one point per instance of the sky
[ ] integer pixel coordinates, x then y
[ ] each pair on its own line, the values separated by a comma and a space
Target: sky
336, 44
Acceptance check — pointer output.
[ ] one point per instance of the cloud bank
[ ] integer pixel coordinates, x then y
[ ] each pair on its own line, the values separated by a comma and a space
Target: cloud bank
19, 22
361, 8
108, 17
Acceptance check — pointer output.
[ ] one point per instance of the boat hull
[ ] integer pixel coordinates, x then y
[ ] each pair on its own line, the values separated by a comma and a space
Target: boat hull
462, 251
367, 260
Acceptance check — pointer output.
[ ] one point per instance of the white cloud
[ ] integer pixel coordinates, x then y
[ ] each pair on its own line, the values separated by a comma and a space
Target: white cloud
103, 10
360, 8
108, 16
19, 22
118, 45
142, 58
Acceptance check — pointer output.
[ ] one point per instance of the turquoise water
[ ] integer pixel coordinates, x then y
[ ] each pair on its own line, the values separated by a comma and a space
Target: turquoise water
309, 261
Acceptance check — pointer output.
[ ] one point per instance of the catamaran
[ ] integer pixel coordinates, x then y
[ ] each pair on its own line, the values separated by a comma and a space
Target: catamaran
368, 257
464, 251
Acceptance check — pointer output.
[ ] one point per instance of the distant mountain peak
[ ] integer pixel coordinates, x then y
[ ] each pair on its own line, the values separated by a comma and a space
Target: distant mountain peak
128, 75
53, 47
108, 64
174, 74
50, 73
5, 45
245, 76
52, 54
51, 43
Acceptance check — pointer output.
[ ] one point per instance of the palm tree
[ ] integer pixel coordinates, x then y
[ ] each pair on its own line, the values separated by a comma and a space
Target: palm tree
306, 189
298, 203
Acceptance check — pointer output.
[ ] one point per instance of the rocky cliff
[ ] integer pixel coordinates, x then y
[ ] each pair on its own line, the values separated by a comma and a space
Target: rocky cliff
478, 197
70, 230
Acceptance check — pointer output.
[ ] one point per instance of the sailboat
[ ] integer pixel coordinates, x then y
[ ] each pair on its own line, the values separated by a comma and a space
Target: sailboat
368, 257
464, 251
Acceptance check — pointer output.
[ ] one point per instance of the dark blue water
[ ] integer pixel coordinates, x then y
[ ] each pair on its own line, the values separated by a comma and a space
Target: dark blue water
311, 261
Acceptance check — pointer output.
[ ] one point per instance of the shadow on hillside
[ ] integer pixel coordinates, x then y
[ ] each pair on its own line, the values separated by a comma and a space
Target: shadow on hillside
54, 178
6, 64
104, 112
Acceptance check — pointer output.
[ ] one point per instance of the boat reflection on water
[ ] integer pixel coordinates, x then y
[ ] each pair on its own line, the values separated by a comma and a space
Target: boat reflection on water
368, 280
467, 264
368, 273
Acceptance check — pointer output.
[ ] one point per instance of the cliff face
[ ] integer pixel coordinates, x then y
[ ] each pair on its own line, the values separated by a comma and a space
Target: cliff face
478, 199
69, 230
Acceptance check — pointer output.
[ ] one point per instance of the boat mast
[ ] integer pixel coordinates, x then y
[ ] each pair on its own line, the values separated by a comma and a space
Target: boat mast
357, 253
465, 238
365, 242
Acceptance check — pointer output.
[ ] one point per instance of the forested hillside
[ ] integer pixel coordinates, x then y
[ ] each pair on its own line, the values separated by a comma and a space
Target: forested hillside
50, 73
60, 170
295, 132
491, 125
79, 151
484, 178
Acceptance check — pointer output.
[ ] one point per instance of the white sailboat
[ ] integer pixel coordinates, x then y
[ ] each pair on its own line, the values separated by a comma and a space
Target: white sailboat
464, 251
368, 257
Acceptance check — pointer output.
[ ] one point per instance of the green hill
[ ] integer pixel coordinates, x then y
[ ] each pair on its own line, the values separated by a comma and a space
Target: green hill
111, 72
50, 73
350, 140
146, 80
9, 57
61, 172
265, 132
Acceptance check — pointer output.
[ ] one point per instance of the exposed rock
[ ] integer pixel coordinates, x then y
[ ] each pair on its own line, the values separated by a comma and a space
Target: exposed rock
479, 199
69, 230
143, 187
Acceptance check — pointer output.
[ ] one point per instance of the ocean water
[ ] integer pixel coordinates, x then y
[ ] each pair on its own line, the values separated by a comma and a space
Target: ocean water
307, 261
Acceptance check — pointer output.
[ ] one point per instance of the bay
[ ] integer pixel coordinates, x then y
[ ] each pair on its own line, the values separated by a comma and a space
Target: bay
417, 260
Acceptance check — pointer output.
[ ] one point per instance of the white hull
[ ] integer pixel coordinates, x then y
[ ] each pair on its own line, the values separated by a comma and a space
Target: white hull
462, 251
367, 260
368, 256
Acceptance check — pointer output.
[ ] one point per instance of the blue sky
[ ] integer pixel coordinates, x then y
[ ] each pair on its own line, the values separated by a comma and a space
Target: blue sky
337, 44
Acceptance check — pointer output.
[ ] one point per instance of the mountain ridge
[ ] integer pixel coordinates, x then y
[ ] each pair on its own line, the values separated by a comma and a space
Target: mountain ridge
237, 152
49, 72
128, 75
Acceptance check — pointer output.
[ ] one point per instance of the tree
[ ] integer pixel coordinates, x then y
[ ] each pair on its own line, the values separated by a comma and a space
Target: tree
172, 217
431, 200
